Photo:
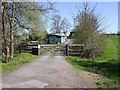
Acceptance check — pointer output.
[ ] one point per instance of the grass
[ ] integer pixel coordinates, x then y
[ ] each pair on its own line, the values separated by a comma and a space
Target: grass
0, 58
106, 65
18, 61
0, 63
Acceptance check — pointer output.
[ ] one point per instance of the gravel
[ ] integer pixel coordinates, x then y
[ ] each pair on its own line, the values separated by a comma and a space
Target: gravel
48, 71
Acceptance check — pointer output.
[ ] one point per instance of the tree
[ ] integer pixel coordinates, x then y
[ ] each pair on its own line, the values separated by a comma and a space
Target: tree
88, 31
56, 20
118, 33
19, 16
38, 35
0, 30
65, 25
59, 24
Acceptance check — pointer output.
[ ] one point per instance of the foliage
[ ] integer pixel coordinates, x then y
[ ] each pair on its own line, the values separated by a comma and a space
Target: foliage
88, 31
38, 35
18, 61
19, 18
0, 58
106, 65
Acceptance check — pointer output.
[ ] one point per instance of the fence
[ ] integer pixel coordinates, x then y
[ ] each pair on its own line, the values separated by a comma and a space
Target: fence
74, 49
25, 48
39, 49
69, 49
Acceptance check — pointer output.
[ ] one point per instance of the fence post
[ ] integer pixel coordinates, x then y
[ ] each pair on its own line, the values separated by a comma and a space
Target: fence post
38, 49
67, 49
19, 48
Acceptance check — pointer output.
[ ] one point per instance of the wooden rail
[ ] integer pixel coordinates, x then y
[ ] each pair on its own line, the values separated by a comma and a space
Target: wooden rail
74, 49
69, 49
50, 47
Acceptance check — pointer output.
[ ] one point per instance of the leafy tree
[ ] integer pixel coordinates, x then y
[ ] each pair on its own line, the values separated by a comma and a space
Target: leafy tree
17, 17
88, 31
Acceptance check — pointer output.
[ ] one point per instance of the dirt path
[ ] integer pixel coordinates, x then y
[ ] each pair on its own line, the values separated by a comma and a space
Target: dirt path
49, 72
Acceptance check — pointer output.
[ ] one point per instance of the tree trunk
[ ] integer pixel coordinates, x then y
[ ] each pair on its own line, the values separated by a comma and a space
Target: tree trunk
11, 33
0, 29
5, 44
3, 31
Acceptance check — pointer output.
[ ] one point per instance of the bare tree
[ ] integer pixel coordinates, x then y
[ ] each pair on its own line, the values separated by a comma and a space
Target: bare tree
88, 31
65, 25
59, 24
56, 21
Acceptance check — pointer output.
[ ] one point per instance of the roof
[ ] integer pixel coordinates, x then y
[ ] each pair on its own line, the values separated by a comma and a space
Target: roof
67, 34
58, 34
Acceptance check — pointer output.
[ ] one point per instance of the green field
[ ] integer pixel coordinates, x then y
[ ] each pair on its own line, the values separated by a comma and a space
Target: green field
106, 65
18, 61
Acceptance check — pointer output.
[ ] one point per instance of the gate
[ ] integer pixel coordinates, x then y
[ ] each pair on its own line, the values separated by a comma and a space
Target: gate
57, 49
52, 48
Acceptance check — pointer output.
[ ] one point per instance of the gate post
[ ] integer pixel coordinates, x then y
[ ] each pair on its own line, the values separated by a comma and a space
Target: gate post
19, 47
67, 49
38, 49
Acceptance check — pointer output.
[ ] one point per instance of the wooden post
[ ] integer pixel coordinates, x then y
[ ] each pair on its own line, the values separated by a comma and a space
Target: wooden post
67, 49
38, 49
19, 49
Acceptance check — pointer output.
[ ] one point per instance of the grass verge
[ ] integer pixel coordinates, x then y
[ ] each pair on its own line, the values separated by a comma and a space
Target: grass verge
0, 63
107, 69
106, 65
18, 61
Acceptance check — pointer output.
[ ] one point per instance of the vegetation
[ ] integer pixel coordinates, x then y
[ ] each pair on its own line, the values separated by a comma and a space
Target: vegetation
19, 18
88, 29
38, 35
0, 58
0, 63
106, 65
59, 25
22, 19
18, 60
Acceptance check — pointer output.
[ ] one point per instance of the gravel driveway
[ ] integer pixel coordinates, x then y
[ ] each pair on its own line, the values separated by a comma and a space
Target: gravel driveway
48, 71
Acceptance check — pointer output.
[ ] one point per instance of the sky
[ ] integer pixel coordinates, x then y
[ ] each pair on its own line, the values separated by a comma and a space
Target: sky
109, 10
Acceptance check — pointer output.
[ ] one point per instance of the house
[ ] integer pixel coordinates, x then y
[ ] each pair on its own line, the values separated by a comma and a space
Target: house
72, 35
56, 38
66, 34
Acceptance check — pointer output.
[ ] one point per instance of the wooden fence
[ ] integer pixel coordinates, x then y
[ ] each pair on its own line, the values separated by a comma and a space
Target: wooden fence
74, 49
24, 48
39, 49
69, 49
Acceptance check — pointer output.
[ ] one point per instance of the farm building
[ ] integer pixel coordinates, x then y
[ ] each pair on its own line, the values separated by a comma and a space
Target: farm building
56, 38
71, 35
